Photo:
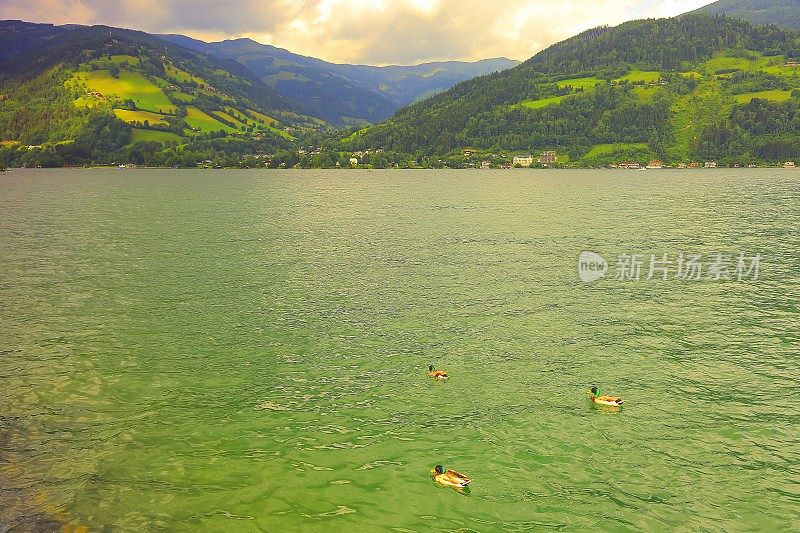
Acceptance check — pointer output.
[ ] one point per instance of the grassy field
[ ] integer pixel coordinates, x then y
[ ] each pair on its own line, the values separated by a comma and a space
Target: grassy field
779, 70
140, 135
581, 83
775, 95
727, 62
225, 116
140, 116
692, 113
269, 121
198, 120
640, 76
542, 102
183, 97
181, 76
608, 149
273, 79
645, 93
119, 60
144, 93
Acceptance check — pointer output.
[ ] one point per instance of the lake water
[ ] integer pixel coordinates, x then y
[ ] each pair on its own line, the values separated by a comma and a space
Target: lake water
246, 351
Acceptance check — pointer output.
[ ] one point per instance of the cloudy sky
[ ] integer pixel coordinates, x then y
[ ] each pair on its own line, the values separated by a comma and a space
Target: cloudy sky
361, 31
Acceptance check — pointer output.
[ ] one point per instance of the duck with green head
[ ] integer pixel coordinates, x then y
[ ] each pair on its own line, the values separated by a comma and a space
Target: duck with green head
612, 401
450, 478
438, 375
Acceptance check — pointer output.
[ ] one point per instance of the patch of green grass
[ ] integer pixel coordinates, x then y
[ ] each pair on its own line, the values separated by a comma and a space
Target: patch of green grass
691, 74
119, 60
775, 95
777, 68
692, 113
722, 63
273, 79
182, 76
645, 93
581, 83
183, 97
268, 121
264, 124
223, 73
644, 76
140, 135
140, 116
129, 85
608, 149
225, 116
542, 102
718, 64
198, 120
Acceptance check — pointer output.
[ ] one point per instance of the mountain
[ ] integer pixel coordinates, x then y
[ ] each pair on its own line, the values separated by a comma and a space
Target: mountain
341, 93
690, 88
89, 93
783, 13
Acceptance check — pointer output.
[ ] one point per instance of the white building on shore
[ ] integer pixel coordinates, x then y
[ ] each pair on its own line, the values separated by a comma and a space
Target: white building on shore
523, 160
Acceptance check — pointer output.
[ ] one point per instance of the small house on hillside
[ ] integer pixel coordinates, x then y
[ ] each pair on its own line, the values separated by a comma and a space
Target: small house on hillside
655, 163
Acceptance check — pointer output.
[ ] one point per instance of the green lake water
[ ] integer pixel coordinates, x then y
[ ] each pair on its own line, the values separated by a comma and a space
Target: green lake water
246, 351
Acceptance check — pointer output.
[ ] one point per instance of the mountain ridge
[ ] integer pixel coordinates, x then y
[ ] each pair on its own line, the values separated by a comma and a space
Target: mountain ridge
783, 13
672, 89
339, 88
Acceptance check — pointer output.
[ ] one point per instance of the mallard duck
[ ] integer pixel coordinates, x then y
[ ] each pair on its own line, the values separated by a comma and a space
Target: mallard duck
450, 478
437, 374
605, 400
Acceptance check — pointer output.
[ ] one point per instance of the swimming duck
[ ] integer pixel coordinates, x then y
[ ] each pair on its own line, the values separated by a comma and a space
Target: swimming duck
437, 374
605, 400
450, 478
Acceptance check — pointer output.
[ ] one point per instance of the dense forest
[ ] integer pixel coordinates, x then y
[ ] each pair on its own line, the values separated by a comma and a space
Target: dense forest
783, 13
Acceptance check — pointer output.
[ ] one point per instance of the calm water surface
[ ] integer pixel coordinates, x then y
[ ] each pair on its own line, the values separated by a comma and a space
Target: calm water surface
245, 351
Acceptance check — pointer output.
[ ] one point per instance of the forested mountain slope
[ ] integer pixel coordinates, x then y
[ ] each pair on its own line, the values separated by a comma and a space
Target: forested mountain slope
86, 93
694, 87
784, 13
341, 93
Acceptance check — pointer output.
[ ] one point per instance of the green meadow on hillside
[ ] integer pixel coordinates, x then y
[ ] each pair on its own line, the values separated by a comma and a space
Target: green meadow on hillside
140, 116
773, 95
204, 123
141, 135
581, 83
639, 76
182, 76
542, 102
128, 85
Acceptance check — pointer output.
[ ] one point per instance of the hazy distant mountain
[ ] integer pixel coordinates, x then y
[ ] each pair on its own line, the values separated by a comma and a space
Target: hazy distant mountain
342, 93
784, 13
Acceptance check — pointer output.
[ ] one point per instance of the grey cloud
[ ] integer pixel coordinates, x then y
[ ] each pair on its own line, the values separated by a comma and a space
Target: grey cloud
368, 31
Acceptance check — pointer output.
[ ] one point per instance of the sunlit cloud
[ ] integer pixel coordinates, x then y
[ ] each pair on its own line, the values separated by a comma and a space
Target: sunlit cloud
361, 31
